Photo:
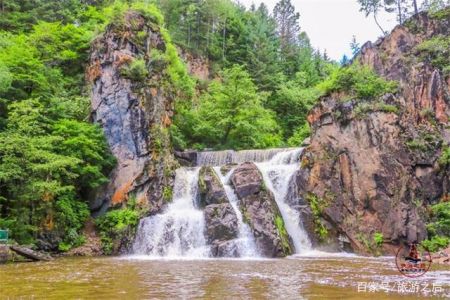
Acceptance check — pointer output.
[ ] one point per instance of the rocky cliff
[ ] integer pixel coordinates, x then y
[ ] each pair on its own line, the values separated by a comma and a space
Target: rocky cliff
132, 102
371, 172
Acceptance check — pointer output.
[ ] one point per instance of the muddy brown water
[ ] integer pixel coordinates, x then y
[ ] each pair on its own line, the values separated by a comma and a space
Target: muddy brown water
341, 277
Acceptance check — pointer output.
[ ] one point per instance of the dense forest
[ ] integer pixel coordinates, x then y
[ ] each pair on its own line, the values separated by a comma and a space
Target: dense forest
266, 76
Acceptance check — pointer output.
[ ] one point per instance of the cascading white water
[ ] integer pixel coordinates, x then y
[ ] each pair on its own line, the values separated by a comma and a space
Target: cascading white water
277, 174
178, 231
220, 158
245, 243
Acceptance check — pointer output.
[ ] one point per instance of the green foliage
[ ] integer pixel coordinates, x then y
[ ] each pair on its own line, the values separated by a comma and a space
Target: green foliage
50, 158
436, 243
438, 228
167, 193
444, 159
284, 236
363, 108
136, 70
358, 81
317, 204
115, 225
378, 239
436, 51
229, 116
299, 135
149, 11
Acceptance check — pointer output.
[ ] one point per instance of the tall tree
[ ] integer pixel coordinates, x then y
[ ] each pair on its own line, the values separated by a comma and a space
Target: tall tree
288, 29
372, 7
399, 6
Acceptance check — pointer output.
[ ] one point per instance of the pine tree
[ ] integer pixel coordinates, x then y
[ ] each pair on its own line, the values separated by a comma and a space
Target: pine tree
354, 46
288, 29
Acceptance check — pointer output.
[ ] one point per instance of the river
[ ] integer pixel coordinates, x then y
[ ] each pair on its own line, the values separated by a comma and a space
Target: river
317, 277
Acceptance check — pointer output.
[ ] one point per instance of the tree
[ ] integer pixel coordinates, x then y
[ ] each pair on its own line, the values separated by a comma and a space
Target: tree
292, 101
372, 7
399, 6
231, 115
354, 46
288, 30
263, 45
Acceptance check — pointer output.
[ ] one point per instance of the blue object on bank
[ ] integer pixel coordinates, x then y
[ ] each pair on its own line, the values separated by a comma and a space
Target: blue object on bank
3, 236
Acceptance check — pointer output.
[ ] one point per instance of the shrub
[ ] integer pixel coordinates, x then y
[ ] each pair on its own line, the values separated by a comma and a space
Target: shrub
378, 239
136, 70
444, 159
436, 51
438, 228
317, 204
358, 81
115, 225
279, 223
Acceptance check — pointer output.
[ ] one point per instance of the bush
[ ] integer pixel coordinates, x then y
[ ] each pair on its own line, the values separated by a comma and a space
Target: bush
136, 70
444, 159
436, 51
358, 81
299, 135
378, 239
115, 225
438, 228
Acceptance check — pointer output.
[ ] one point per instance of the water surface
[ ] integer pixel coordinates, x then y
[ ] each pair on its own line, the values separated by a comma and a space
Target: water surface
141, 278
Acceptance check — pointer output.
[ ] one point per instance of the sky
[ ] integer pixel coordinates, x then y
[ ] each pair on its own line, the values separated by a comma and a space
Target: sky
331, 24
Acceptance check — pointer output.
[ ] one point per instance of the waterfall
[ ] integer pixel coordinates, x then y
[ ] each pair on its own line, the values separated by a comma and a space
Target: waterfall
220, 158
277, 174
178, 231
245, 242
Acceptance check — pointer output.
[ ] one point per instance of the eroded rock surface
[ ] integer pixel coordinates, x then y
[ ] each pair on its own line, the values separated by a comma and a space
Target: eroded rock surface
134, 110
260, 211
376, 173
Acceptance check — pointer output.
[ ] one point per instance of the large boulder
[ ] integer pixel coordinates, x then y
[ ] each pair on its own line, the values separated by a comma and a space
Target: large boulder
260, 211
210, 188
220, 218
221, 228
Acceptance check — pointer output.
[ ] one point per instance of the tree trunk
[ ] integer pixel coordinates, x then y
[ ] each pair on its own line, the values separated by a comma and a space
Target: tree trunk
378, 24
399, 7
223, 38
416, 10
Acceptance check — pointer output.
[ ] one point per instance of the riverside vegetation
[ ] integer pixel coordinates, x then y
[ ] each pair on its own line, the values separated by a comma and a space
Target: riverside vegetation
265, 79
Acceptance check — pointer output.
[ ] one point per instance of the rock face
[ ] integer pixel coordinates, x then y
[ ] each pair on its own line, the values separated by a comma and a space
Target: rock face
134, 110
376, 173
220, 218
260, 211
210, 188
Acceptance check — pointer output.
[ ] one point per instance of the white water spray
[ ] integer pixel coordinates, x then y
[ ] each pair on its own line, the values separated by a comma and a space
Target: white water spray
245, 242
179, 230
277, 174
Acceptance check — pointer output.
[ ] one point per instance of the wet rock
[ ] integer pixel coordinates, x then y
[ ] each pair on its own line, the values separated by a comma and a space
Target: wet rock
210, 188
221, 222
260, 211
186, 158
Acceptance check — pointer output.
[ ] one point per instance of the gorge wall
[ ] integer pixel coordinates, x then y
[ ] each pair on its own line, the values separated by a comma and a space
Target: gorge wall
133, 103
371, 171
